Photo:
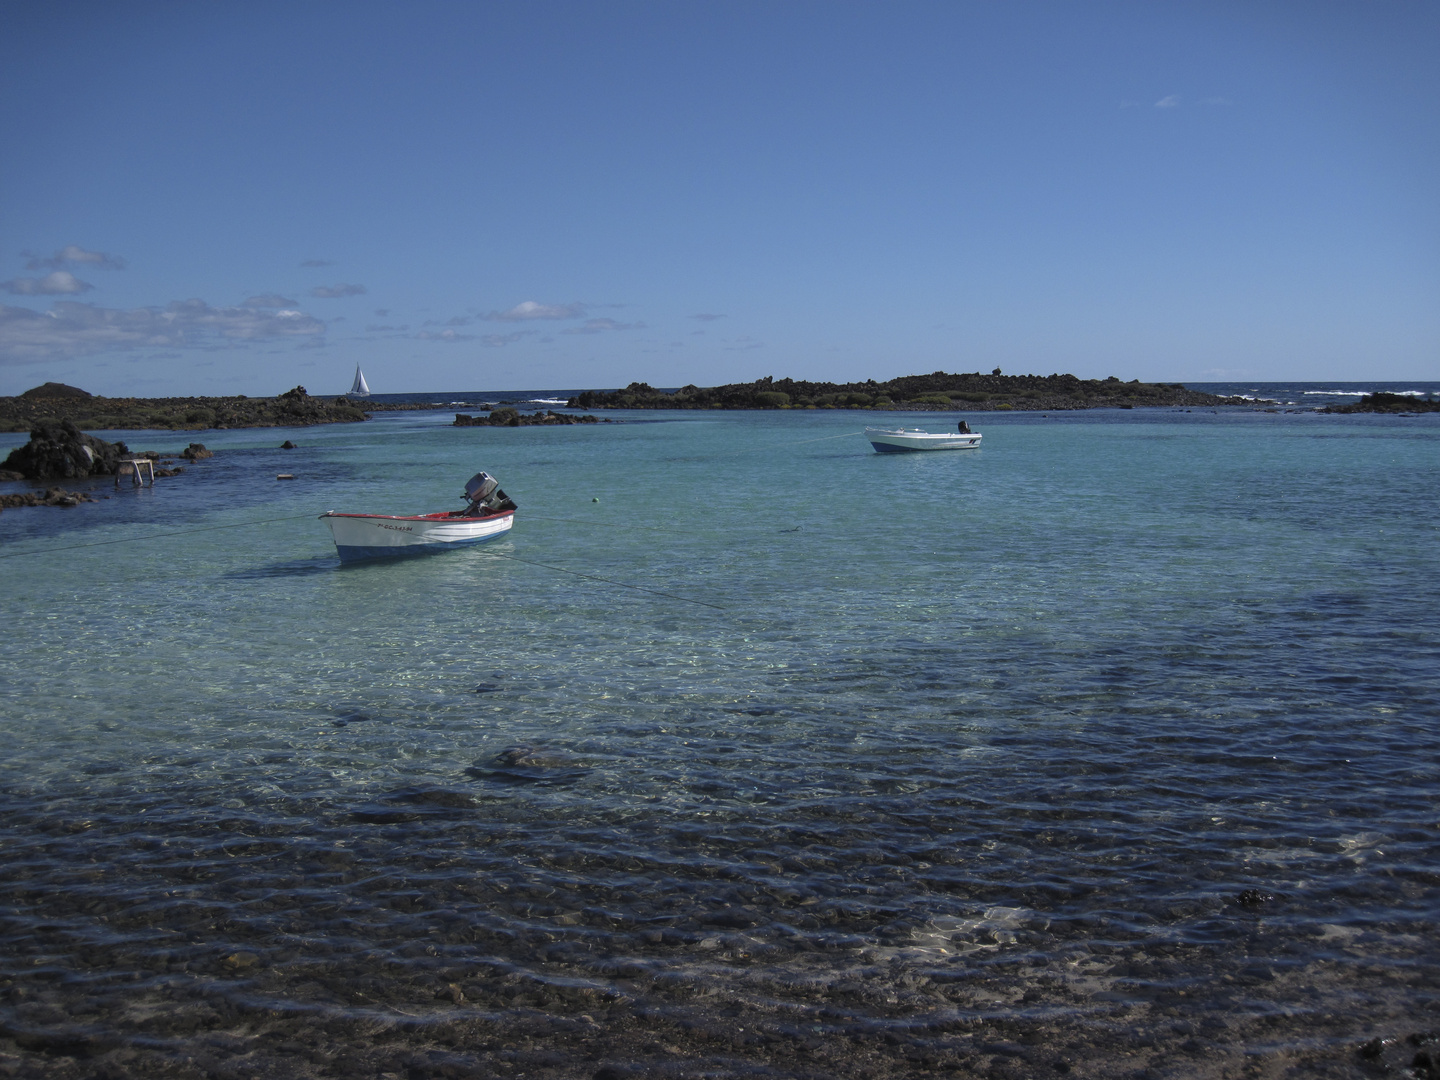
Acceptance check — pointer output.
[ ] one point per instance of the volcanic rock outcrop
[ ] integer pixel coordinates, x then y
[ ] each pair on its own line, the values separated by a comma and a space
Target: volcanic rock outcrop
61, 451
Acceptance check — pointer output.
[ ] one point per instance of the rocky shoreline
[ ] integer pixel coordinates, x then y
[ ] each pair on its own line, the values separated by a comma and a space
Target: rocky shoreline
61, 451
55, 402
1403, 404
939, 391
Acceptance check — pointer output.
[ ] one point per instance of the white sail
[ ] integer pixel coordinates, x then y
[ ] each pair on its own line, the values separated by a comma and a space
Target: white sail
359, 389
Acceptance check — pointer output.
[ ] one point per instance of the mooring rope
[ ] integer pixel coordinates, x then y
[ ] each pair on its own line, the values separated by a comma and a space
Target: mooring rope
537, 517
595, 577
152, 536
782, 446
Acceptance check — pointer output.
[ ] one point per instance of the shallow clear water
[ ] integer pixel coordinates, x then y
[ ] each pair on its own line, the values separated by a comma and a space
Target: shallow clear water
783, 757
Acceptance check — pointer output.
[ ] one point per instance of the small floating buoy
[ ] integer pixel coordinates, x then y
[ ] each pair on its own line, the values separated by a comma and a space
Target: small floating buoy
596, 499
285, 476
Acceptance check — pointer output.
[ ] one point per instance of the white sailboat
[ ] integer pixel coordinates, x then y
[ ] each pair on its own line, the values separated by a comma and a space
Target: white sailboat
359, 389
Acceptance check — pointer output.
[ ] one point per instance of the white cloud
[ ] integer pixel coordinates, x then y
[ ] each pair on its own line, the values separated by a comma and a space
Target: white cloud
75, 254
529, 309
334, 292
71, 329
599, 326
60, 283
1170, 102
269, 300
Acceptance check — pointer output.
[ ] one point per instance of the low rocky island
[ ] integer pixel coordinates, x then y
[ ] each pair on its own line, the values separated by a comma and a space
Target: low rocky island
1387, 403
973, 393
56, 402
514, 418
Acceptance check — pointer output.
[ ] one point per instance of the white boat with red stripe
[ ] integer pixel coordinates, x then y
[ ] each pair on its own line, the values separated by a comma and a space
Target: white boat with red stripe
489, 513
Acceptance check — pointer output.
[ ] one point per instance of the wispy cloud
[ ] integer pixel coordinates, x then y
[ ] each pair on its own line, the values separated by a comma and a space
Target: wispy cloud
444, 335
497, 341
71, 329
600, 326
74, 255
1172, 101
334, 292
385, 329
529, 309
706, 316
60, 283
269, 300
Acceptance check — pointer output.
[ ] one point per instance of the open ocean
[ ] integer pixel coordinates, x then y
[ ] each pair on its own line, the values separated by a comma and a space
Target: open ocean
1111, 749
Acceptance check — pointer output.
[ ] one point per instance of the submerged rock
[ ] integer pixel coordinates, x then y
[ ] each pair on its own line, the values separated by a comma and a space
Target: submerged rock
528, 765
1254, 898
55, 496
527, 756
351, 718
413, 804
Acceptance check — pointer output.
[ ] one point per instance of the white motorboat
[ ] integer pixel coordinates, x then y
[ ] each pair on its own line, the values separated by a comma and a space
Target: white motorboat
489, 513
903, 440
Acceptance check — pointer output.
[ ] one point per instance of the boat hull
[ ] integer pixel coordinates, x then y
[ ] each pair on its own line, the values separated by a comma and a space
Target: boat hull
886, 441
382, 536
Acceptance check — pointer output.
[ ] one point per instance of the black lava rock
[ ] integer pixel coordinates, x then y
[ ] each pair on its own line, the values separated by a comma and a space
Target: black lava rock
61, 451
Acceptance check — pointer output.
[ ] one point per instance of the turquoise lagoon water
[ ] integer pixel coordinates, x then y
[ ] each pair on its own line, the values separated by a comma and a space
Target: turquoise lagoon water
1110, 748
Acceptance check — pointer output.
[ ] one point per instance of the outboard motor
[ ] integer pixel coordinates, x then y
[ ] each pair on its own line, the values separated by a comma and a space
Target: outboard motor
483, 493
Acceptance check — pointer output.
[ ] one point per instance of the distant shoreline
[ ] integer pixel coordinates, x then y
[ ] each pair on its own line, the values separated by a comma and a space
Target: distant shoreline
938, 392
974, 392
55, 402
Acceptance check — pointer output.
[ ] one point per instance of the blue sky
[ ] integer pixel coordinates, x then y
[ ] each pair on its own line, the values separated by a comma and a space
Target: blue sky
211, 198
